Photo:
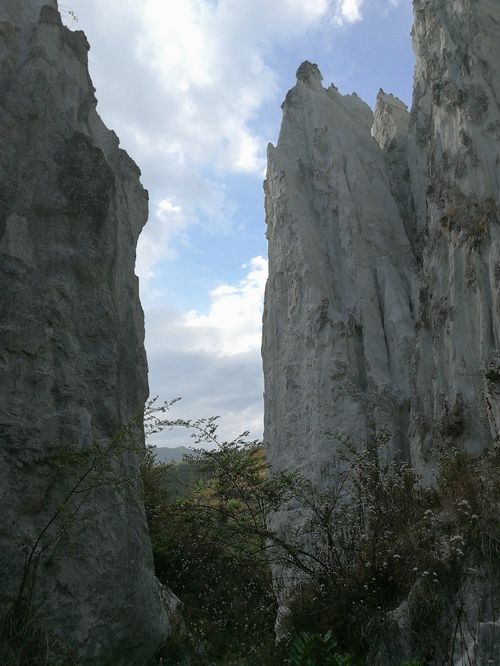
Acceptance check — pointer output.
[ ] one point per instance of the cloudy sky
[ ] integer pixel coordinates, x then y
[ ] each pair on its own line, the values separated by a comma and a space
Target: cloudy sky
193, 88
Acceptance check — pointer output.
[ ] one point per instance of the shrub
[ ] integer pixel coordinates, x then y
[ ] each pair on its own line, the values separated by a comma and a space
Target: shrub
209, 546
316, 650
376, 537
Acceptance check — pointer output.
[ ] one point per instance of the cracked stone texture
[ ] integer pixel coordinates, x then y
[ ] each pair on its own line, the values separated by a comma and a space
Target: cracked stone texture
338, 327
383, 299
72, 357
454, 160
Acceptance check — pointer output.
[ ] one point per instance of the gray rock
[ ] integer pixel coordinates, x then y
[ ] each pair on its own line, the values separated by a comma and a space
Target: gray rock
72, 357
382, 306
338, 325
390, 131
454, 159
465, 631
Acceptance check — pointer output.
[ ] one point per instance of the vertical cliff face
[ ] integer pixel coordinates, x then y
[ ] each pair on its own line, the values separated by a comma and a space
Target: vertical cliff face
338, 327
390, 130
72, 357
454, 158
382, 304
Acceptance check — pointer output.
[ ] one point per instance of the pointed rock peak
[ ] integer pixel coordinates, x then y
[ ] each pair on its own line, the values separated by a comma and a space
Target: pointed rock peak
390, 124
384, 98
309, 73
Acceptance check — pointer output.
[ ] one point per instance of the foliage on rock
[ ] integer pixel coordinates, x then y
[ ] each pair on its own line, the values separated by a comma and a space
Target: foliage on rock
376, 542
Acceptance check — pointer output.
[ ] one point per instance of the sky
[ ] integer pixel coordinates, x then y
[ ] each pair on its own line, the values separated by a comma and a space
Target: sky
193, 88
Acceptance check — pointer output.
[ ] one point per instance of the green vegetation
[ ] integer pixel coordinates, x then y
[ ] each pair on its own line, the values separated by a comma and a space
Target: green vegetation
373, 539
206, 519
316, 650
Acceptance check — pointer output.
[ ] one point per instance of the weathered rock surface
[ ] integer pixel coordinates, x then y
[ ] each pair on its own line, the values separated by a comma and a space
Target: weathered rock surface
454, 159
338, 323
72, 358
338, 326
382, 304
390, 130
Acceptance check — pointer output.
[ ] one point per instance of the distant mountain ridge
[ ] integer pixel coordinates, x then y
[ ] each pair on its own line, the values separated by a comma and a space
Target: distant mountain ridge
164, 454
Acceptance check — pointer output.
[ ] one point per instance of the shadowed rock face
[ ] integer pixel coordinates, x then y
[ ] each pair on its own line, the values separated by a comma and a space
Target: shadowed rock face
454, 159
72, 357
382, 307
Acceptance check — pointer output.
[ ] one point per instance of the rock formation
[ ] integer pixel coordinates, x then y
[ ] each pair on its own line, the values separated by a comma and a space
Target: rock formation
72, 357
454, 159
382, 304
338, 324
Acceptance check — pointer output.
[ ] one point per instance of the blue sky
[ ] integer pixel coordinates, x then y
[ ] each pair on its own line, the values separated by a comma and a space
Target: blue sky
193, 88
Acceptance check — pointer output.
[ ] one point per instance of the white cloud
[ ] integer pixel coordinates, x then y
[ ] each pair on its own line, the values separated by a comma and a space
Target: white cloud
229, 387
207, 61
348, 11
170, 224
182, 82
212, 359
231, 326
234, 322
190, 198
